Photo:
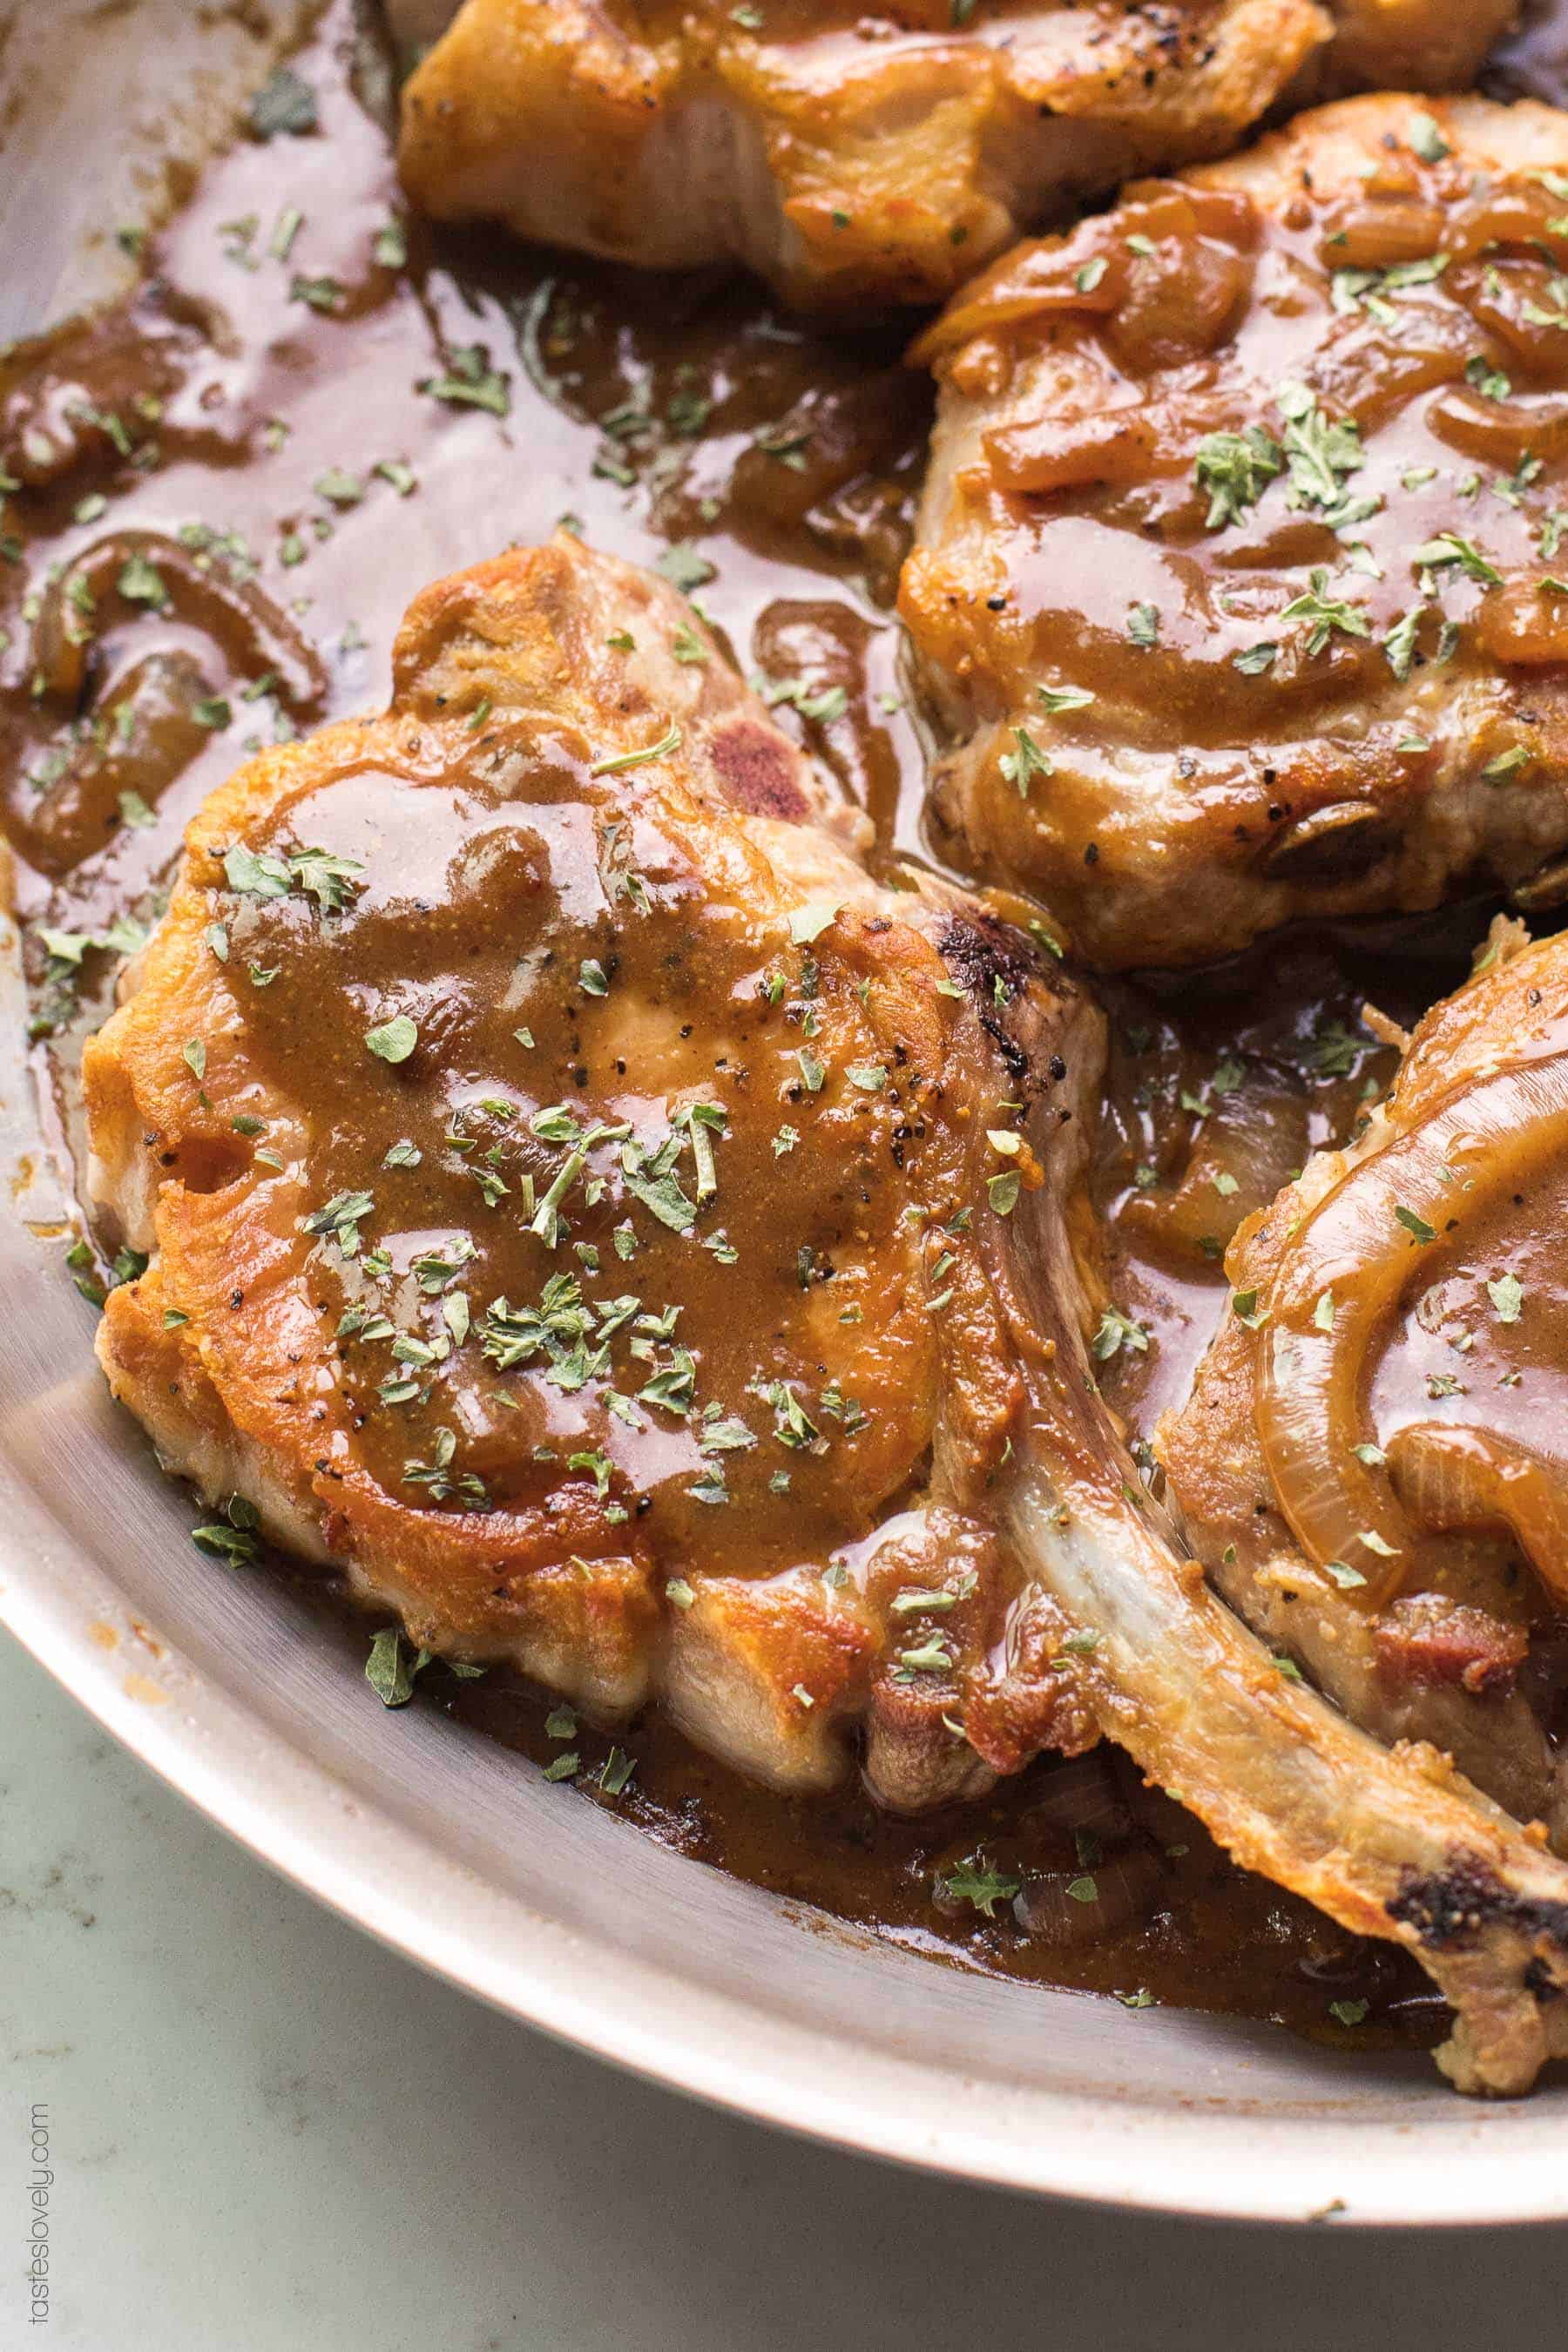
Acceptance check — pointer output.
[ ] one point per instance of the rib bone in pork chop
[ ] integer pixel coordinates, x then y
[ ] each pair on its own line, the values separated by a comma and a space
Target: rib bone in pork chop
855, 156
1237, 592
640, 1246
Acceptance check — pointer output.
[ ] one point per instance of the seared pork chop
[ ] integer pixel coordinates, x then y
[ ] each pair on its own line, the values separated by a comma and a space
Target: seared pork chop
639, 1246
1374, 1460
1237, 591
853, 157
549, 1138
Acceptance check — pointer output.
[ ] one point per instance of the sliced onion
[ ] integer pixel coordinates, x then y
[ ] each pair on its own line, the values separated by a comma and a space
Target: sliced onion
1519, 216
1499, 432
1374, 235
1084, 1794
1032, 280
1525, 622
1090, 270
1450, 1477
1058, 452
1254, 1139
222, 609
1114, 1894
1331, 1957
1310, 1404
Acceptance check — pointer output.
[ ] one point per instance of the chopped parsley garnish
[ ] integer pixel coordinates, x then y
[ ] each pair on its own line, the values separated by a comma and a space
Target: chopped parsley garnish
616, 761
322, 294
1235, 468
388, 1672
1449, 548
793, 1425
1319, 456
1326, 613
1117, 1331
437, 1475
1017, 767
234, 1543
1399, 644
1485, 378
338, 487
932, 1657
285, 105
1060, 698
393, 1040
1427, 141
341, 1220
684, 567
470, 382
653, 1181
327, 879
977, 1883
140, 582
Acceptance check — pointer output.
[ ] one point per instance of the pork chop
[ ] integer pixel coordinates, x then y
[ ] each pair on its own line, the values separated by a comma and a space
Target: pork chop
546, 1136
850, 158
1235, 592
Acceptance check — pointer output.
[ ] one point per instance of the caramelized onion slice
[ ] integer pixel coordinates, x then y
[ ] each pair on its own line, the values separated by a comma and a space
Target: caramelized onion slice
1360, 1248
1127, 439
1030, 282
1375, 234
1056, 453
1208, 236
1450, 1477
1499, 432
1076, 1908
234, 612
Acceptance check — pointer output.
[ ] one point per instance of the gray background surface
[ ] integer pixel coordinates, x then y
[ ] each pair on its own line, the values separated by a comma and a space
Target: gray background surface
272, 2135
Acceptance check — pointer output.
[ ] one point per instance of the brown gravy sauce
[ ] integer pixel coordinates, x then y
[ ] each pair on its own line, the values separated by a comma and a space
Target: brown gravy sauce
229, 486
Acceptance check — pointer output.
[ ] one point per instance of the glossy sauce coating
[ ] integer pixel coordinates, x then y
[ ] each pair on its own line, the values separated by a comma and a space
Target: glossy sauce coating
1240, 531
548, 1040
259, 379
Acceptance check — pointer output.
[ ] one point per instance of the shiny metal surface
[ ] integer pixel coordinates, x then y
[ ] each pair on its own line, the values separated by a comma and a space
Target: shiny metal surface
457, 1853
